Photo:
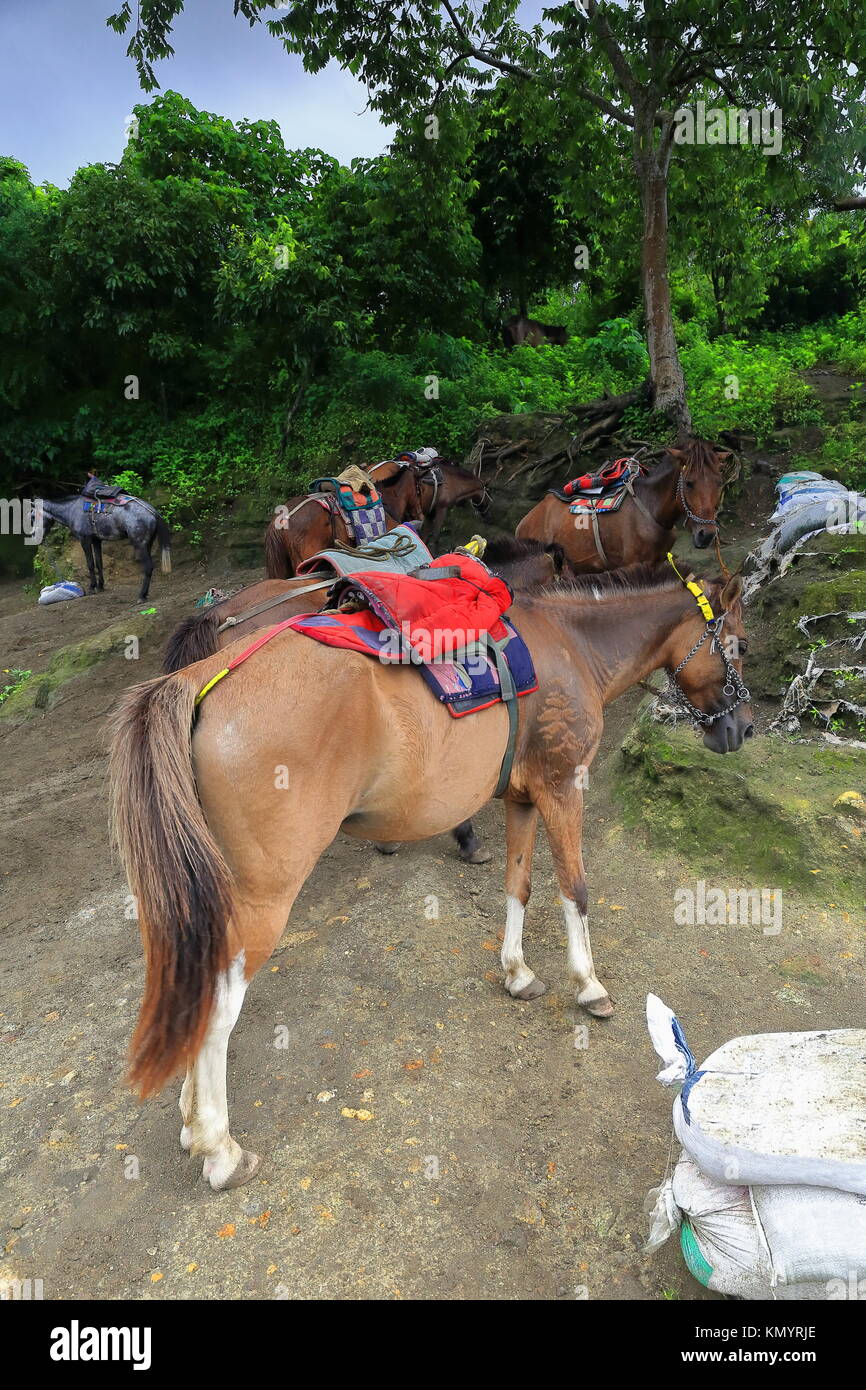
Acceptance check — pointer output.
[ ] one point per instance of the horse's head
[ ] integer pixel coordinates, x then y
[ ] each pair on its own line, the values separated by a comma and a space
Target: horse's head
699, 488
706, 668
525, 564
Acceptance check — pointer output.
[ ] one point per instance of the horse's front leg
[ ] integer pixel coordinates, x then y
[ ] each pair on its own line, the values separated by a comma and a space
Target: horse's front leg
97, 557
471, 849
87, 547
562, 812
520, 822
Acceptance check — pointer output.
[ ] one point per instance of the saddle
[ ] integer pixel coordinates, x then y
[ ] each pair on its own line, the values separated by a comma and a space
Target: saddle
603, 491
111, 492
446, 618
355, 495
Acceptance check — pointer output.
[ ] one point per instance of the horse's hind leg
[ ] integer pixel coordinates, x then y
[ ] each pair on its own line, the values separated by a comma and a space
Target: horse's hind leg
520, 823
203, 1098
563, 818
145, 561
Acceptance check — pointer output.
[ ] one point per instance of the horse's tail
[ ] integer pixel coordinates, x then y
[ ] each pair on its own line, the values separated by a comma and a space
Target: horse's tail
180, 880
277, 565
163, 535
192, 640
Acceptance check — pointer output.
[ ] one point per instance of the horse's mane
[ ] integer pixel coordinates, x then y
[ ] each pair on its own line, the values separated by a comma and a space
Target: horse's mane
700, 456
645, 578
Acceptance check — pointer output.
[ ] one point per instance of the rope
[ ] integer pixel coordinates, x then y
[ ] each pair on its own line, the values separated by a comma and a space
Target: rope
401, 548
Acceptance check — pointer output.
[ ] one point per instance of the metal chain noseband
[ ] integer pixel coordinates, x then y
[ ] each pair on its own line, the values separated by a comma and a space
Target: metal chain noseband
681, 498
733, 683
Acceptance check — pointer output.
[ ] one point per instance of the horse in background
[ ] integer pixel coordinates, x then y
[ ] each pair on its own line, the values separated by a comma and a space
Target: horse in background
520, 329
302, 527
95, 519
685, 486
442, 485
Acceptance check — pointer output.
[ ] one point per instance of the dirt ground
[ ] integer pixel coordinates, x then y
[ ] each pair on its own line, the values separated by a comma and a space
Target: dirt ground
423, 1135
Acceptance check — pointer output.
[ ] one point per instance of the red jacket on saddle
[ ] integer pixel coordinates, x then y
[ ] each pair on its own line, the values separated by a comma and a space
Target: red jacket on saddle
438, 615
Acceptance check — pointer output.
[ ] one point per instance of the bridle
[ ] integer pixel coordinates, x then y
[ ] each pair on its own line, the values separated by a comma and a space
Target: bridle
734, 685
690, 515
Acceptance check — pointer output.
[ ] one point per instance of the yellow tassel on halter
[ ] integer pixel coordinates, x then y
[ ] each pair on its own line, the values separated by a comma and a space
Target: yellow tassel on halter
210, 685
476, 546
700, 597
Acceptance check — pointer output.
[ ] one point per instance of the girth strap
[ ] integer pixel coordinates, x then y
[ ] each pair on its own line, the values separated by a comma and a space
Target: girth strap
508, 692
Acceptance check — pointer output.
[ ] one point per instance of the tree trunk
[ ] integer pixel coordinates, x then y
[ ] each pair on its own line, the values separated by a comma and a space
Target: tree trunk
652, 160
720, 287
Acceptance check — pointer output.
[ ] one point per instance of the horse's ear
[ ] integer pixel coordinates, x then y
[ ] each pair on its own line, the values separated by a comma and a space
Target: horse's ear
722, 454
557, 557
677, 453
733, 591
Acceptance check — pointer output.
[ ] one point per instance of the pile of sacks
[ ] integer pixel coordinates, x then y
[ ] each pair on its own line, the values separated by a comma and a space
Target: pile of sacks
769, 1193
807, 504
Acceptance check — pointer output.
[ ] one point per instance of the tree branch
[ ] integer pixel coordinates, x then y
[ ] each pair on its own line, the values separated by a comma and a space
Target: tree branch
623, 72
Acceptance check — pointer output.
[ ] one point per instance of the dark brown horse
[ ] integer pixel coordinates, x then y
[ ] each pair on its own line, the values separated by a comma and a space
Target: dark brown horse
442, 485
217, 844
301, 527
520, 329
684, 487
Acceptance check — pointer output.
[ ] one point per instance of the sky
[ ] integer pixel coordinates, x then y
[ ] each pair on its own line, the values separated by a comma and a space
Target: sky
67, 86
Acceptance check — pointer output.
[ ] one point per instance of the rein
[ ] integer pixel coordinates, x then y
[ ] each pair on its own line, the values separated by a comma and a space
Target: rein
733, 683
274, 602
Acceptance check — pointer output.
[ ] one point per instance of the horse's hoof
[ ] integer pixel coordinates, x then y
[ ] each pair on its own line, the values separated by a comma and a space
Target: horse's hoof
600, 1008
531, 991
386, 846
247, 1167
477, 856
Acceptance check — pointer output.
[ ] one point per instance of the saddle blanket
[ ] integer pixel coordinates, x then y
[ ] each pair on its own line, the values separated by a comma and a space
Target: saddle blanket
450, 626
603, 491
363, 513
104, 504
400, 549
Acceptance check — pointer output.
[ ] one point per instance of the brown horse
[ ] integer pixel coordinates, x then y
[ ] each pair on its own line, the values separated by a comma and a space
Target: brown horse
218, 833
442, 485
520, 329
684, 486
302, 527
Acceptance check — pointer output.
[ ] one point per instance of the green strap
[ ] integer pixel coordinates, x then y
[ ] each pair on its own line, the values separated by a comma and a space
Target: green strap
508, 691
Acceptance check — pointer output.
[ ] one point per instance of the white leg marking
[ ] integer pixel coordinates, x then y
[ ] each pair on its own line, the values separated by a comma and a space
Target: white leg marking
187, 1096
208, 1126
580, 966
517, 973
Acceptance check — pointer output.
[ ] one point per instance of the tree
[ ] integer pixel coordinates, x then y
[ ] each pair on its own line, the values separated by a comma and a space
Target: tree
638, 63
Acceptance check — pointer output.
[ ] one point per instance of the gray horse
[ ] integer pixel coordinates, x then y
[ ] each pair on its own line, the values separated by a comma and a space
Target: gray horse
108, 519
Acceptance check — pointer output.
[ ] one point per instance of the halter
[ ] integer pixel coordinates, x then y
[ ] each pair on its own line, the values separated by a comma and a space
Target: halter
681, 498
733, 683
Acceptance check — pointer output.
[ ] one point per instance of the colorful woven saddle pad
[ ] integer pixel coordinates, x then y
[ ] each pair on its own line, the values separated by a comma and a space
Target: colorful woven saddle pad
603, 491
362, 510
446, 619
